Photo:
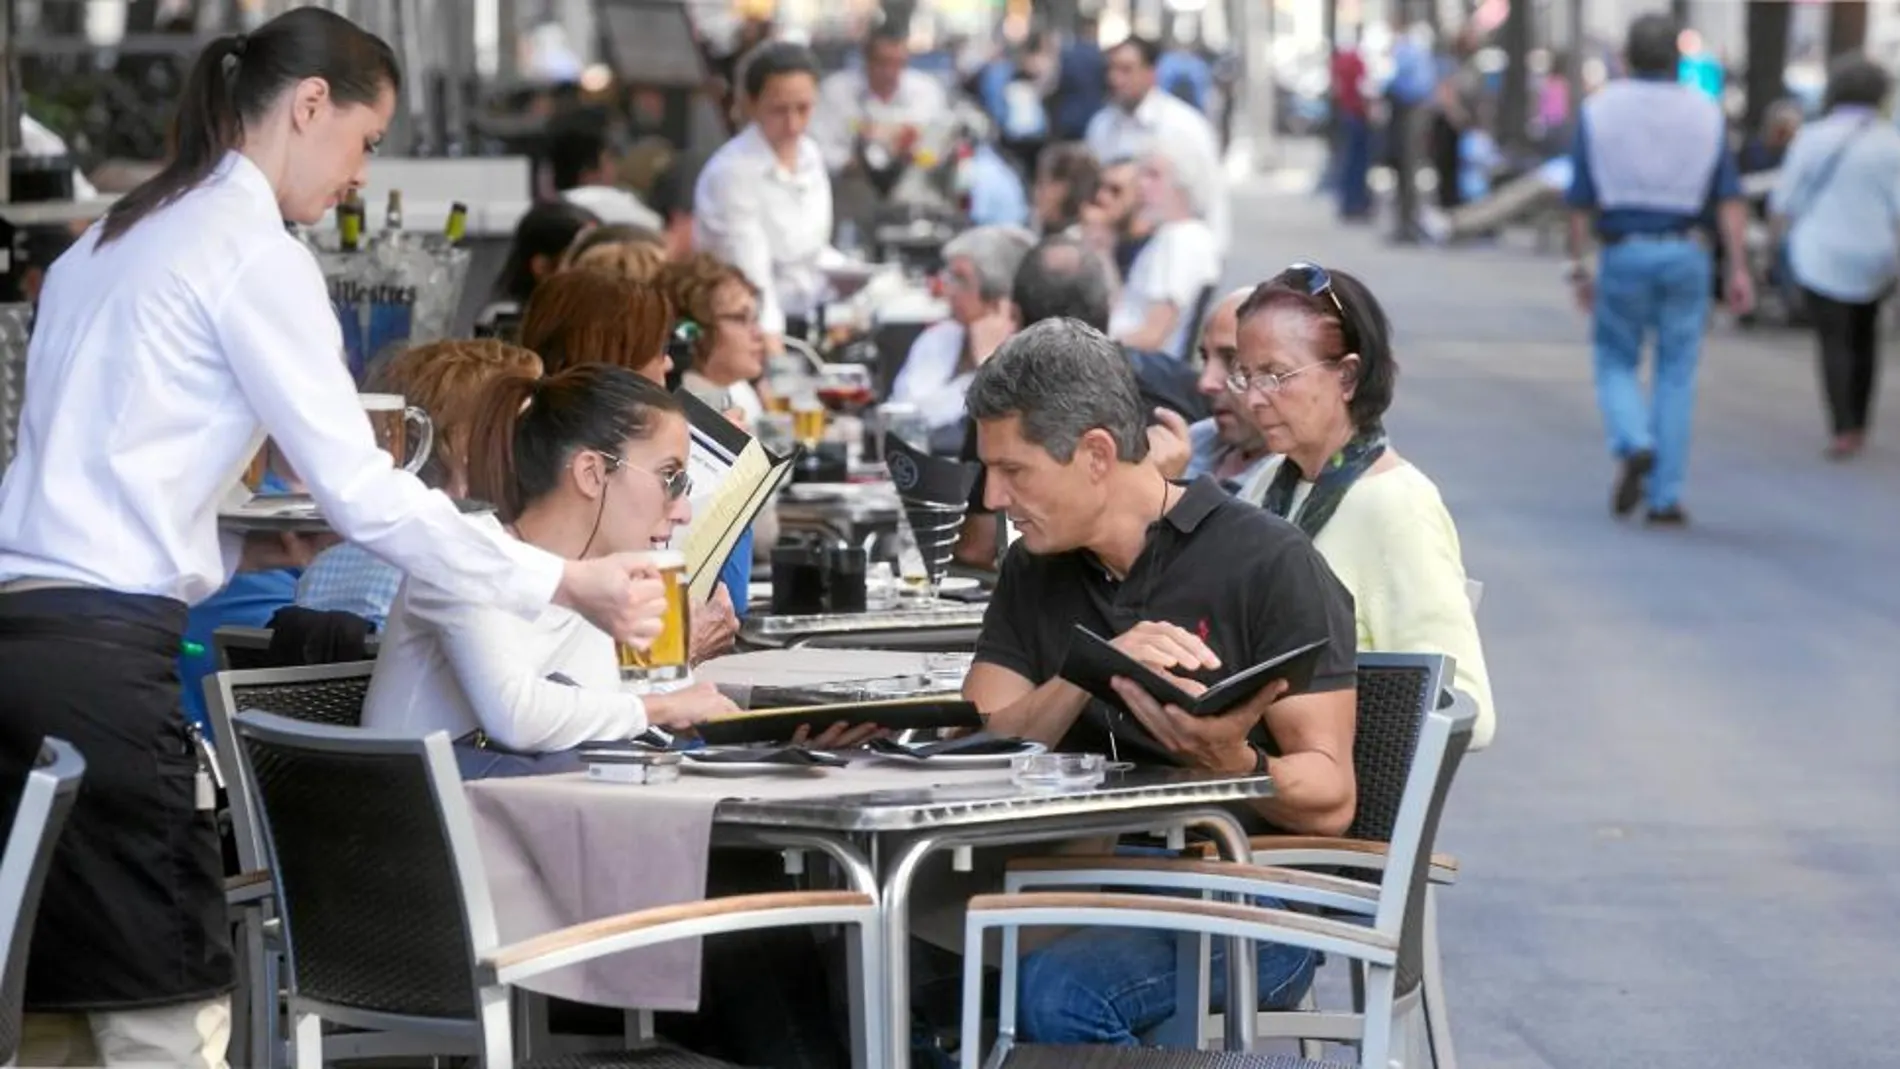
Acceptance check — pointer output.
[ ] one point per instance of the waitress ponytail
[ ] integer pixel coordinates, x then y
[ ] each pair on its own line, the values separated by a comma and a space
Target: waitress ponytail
238, 78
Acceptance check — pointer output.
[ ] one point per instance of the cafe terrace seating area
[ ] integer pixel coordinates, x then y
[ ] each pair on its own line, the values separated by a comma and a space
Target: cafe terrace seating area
385, 908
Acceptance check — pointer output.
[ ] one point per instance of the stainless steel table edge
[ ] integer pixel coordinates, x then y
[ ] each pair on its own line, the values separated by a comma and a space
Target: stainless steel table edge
788, 813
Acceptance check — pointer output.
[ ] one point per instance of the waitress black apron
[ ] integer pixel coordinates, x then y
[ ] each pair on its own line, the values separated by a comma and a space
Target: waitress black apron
133, 914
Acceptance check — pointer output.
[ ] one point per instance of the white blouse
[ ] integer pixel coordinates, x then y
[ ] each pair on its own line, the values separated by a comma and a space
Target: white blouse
930, 377
456, 664
157, 364
774, 224
1177, 264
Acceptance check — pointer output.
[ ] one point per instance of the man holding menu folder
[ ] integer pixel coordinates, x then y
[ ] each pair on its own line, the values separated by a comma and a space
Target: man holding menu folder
1189, 583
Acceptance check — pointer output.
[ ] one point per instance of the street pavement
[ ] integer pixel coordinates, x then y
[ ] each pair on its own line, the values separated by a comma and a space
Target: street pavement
1683, 848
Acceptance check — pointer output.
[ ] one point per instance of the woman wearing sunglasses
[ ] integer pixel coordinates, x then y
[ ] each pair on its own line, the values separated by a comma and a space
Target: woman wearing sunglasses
585, 463
1314, 369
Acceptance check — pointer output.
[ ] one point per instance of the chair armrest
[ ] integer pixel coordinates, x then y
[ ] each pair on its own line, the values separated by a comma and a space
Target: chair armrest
1189, 874
664, 924
1228, 919
1301, 851
247, 887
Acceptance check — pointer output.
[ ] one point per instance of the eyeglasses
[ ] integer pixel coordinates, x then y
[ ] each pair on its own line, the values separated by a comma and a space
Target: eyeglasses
677, 485
1267, 382
1315, 281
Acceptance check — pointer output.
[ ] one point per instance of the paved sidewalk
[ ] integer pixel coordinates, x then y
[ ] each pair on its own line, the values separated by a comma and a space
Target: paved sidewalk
1684, 848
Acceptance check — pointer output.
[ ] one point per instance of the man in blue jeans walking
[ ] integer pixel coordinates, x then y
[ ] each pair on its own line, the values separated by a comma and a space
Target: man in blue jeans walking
1653, 174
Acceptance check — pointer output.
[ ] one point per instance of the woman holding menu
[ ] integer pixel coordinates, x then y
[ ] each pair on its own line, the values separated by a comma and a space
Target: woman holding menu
172, 336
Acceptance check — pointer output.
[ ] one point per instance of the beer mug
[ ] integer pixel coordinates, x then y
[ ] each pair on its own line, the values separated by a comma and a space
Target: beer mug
389, 418
664, 661
808, 421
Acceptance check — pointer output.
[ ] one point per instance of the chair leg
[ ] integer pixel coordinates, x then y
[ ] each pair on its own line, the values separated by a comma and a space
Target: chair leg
1437, 1015
265, 995
306, 1041
1312, 1050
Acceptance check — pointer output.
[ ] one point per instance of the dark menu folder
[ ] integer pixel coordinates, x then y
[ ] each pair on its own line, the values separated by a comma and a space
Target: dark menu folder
1091, 662
897, 714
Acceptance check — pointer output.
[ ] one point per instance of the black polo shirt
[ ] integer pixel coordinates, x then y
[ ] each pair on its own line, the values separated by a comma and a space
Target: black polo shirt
1248, 582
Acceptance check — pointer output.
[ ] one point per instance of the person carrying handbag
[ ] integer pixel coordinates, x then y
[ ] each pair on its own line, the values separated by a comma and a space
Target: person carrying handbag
1838, 202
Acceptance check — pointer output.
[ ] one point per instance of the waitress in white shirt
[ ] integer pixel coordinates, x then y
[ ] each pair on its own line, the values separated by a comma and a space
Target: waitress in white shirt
763, 201
170, 338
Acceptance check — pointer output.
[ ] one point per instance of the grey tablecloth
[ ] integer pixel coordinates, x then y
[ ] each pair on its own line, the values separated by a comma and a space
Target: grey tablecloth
562, 850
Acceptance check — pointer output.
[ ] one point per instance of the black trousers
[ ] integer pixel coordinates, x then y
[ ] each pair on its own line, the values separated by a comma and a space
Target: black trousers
1849, 343
1444, 155
133, 912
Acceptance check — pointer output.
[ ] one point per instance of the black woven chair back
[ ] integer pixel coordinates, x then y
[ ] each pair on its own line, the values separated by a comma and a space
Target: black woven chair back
39, 816
335, 702
374, 917
1392, 706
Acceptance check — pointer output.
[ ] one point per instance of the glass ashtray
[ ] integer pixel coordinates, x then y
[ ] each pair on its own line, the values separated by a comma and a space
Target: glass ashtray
1058, 771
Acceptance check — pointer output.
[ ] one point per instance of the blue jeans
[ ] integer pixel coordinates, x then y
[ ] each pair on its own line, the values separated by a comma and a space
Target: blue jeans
1355, 165
1107, 986
1643, 286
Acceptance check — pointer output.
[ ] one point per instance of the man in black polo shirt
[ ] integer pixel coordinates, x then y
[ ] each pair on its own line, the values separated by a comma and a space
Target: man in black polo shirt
1188, 581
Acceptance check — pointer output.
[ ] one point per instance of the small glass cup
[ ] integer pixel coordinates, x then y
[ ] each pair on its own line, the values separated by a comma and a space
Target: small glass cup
1057, 771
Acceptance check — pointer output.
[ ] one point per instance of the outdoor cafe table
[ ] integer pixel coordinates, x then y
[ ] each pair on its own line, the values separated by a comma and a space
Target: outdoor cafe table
564, 849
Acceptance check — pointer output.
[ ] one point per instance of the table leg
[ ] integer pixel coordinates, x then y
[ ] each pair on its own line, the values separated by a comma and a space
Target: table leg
1243, 976
895, 908
866, 967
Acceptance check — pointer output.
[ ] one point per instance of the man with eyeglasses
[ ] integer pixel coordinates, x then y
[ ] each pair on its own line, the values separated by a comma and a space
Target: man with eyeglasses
1189, 581
1227, 444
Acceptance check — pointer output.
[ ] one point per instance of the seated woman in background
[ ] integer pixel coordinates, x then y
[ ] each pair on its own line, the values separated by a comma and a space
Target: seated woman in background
631, 252
724, 339
1314, 369
542, 237
593, 317
587, 462
446, 380
979, 269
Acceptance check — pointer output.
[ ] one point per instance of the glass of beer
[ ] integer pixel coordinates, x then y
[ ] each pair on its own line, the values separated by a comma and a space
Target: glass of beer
664, 662
390, 418
808, 420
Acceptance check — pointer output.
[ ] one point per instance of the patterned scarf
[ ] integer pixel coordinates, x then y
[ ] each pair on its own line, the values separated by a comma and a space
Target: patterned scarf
1342, 470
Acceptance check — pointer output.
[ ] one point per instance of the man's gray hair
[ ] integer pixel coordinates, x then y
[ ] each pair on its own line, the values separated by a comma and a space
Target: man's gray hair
1063, 378
995, 252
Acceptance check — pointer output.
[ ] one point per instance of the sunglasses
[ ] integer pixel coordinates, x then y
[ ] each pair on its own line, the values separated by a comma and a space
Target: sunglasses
677, 485
1316, 282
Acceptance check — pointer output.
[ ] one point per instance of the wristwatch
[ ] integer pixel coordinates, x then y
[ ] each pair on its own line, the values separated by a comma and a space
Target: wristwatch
1259, 760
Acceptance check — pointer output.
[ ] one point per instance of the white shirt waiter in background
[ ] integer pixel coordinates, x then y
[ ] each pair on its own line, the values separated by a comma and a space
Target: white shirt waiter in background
883, 116
1142, 118
170, 338
763, 202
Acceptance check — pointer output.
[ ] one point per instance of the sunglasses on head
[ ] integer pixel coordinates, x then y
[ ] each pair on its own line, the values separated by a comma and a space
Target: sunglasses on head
1315, 281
